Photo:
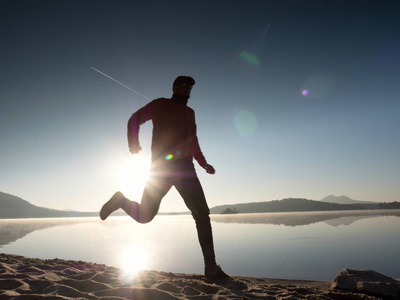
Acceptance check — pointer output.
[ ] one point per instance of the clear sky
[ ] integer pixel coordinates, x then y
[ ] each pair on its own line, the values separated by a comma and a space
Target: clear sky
292, 98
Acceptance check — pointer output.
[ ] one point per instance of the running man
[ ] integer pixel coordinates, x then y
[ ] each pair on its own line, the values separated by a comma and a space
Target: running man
174, 145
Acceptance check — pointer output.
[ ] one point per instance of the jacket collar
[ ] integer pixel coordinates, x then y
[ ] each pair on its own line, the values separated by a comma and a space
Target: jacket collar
183, 100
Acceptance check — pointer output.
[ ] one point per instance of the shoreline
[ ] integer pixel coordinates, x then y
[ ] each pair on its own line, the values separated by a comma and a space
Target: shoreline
95, 214
32, 278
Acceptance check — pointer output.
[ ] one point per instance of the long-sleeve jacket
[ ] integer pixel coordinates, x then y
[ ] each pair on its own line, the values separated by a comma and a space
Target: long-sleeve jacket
174, 131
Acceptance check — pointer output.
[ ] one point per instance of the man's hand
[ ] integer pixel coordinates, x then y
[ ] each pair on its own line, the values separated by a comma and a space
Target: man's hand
135, 149
209, 168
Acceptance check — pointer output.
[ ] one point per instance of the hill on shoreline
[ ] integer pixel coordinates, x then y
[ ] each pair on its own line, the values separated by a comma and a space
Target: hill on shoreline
13, 207
300, 204
344, 200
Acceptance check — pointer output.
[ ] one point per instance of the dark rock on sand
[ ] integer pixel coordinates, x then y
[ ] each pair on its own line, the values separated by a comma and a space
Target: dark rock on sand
367, 282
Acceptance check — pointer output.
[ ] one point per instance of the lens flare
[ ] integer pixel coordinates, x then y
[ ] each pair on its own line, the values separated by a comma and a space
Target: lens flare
245, 122
389, 56
317, 86
253, 51
171, 156
249, 58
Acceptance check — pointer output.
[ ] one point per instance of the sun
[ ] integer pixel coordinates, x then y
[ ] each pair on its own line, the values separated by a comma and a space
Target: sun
132, 175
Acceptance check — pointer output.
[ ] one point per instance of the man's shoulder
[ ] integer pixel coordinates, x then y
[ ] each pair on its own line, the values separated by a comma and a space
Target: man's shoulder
159, 100
190, 109
169, 103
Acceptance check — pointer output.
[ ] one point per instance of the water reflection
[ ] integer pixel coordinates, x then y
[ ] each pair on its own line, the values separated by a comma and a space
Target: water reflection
15, 229
118, 242
304, 245
332, 218
12, 230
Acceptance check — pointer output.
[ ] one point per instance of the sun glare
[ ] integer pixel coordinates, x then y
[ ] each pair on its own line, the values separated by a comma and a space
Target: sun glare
133, 259
132, 175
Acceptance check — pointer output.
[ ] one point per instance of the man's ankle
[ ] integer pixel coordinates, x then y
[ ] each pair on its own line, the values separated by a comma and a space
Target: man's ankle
210, 264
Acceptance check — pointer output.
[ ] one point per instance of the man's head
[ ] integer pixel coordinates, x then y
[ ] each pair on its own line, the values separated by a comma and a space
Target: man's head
183, 85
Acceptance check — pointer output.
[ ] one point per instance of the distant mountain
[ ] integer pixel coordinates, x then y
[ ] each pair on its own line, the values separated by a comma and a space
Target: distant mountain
12, 207
344, 200
290, 205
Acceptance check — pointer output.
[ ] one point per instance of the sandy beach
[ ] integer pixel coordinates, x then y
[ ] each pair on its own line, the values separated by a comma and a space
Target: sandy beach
32, 278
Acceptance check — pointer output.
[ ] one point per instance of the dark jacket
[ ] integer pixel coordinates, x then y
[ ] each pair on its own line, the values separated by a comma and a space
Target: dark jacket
174, 131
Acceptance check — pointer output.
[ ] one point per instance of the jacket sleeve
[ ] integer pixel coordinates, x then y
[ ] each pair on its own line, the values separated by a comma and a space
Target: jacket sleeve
196, 151
138, 118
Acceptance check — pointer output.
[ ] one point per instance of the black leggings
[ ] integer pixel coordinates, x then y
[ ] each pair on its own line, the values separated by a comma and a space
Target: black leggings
182, 175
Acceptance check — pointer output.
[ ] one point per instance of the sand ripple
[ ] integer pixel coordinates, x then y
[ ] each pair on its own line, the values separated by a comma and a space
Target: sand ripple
30, 278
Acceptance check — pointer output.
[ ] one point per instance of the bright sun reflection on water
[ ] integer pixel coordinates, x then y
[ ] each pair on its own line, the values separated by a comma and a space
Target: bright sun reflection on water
133, 259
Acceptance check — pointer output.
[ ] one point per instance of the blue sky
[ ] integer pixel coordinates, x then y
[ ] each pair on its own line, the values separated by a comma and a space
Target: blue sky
292, 98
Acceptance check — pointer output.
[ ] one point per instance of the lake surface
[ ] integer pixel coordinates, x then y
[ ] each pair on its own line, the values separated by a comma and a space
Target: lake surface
300, 245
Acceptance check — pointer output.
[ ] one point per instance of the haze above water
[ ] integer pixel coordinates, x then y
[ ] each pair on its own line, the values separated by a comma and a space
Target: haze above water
315, 245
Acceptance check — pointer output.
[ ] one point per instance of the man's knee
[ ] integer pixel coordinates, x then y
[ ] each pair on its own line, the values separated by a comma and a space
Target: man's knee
201, 214
146, 216
145, 220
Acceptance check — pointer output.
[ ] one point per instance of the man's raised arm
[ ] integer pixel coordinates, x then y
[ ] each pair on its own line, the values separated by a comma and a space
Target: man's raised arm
138, 118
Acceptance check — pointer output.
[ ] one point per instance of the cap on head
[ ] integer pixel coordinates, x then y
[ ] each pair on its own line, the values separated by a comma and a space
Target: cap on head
184, 79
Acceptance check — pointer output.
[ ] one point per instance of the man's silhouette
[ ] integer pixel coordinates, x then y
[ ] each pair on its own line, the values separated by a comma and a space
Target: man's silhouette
174, 144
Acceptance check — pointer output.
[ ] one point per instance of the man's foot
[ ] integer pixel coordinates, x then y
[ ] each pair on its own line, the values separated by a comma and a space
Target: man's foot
215, 272
111, 205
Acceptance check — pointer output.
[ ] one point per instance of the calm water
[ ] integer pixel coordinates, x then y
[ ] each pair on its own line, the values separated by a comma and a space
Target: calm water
315, 245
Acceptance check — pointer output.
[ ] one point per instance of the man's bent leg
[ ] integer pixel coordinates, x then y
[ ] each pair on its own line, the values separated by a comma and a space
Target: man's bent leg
153, 193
